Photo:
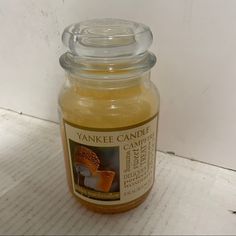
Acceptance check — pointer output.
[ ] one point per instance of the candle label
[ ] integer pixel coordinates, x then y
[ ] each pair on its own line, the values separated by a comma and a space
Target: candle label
113, 165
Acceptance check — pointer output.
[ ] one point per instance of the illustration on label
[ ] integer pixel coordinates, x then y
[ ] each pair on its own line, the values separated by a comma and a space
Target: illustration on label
95, 170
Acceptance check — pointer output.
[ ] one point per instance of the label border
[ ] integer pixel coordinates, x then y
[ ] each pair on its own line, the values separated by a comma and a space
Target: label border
85, 198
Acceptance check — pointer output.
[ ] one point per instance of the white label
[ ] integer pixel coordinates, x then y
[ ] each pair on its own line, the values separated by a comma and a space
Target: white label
112, 166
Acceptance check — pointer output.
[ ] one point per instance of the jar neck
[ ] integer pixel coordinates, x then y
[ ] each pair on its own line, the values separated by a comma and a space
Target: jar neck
115, 68
110, 89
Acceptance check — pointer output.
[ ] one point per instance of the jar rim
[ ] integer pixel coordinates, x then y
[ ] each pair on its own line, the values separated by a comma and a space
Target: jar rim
112, 68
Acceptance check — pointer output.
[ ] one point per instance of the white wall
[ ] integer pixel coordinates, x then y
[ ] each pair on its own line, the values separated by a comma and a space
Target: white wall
194, 40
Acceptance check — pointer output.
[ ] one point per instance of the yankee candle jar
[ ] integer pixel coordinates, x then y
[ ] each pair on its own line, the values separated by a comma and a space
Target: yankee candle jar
108, 113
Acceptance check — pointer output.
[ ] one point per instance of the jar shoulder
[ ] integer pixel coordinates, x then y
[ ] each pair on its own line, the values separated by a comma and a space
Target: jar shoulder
108, 108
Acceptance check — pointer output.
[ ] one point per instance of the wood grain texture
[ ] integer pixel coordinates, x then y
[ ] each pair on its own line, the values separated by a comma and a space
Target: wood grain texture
187, 198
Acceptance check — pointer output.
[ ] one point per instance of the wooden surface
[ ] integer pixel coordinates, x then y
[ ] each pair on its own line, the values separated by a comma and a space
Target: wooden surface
187, 198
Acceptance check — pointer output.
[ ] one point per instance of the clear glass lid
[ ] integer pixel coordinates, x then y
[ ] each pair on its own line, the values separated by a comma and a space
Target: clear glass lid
106, 46
107, 38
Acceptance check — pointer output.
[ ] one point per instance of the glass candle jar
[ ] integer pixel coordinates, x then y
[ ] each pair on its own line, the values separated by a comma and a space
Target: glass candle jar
108, 113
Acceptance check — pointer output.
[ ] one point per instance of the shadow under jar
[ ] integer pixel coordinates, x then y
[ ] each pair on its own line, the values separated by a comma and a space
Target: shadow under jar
108, 113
